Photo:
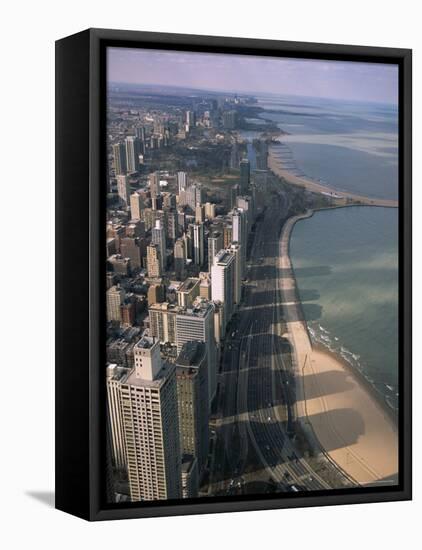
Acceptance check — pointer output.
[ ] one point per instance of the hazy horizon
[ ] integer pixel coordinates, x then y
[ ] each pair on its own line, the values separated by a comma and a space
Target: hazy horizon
321, 79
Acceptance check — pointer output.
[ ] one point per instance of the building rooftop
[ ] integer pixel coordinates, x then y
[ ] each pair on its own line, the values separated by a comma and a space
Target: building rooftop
165, 306
224, 257
200, 308
162, 376
146, 342
116, 372
188, 284
191, 354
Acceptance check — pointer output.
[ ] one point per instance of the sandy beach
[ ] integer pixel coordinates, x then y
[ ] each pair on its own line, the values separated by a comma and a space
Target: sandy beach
275, 164
335, 406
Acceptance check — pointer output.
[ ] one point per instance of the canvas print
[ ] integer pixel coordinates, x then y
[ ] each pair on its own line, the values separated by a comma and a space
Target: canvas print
251, 276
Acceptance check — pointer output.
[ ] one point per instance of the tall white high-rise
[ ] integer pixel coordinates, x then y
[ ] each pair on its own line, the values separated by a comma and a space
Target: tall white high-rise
236, 250
194, 196
151, 425
240, 234
133, 150
222, 283
182, 181
158, 237
123, 189
198, 243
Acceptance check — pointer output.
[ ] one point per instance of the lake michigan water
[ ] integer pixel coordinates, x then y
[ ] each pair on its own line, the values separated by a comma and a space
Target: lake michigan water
346, 260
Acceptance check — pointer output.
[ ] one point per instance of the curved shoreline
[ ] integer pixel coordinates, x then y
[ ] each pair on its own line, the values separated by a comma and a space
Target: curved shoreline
342, 197
336, 405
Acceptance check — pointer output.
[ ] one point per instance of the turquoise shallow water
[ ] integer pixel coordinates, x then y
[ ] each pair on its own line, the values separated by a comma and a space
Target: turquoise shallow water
346, 267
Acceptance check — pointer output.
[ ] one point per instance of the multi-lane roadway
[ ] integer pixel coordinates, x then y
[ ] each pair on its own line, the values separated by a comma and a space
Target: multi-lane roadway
256, 396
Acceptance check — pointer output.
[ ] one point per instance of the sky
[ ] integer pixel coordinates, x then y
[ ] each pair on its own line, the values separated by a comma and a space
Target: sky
251, 74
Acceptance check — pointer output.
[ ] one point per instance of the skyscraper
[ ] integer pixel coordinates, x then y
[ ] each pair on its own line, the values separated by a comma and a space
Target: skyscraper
162, 321
119, 157
115, 297
172, 226
158, 237
222, 283
133, 151
182, 181
245, 203
236, 250
154, 184
209, 210
190, 118
136, 206
205, 285
197, 323
153, 261
151, 426
198, 243
240, 235
194, 196
140, 133
123, 189
199, 213
215, 244
114, 415
192, 393
179, 258
129, 248
245, 175
227, 235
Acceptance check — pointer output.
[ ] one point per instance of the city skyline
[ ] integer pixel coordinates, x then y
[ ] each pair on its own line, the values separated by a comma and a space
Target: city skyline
305, 78
225, 376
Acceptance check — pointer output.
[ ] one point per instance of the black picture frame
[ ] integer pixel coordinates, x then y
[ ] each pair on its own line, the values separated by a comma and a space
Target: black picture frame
80, 308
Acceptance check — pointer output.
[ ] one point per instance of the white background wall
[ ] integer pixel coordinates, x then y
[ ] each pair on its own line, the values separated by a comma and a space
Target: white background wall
27, 179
